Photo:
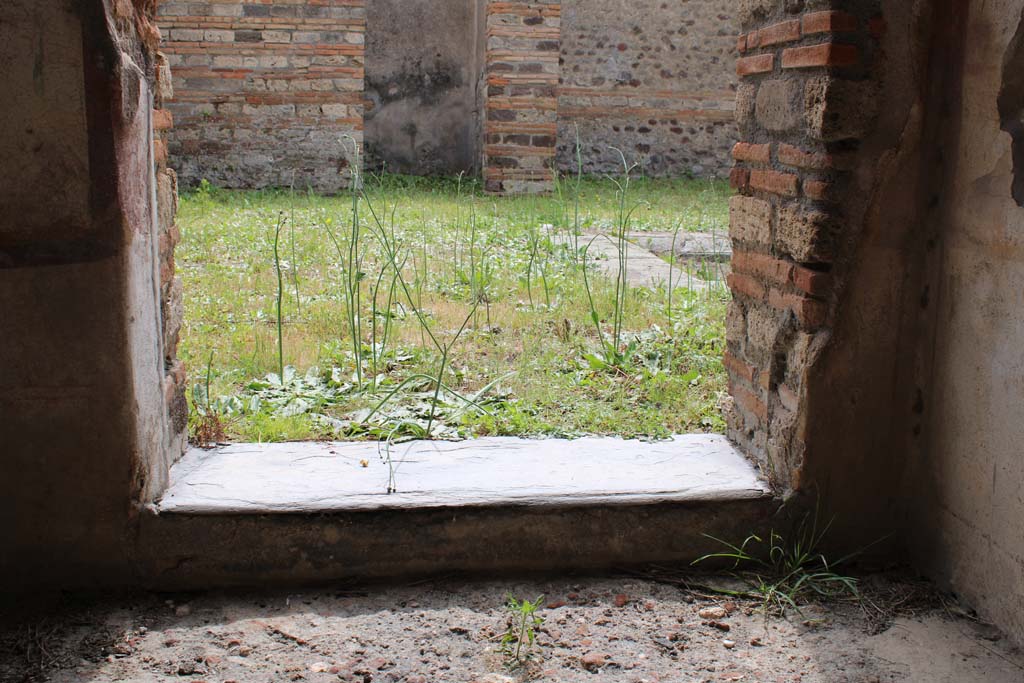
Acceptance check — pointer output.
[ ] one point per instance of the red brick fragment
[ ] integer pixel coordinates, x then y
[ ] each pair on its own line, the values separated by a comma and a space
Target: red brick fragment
739, 368
749, 402
810, 313
818, 189
830, 21
877, 26
739, 178
757, 64
783, 32
746, 285
794, 156
774, 182
825, 54
745, 151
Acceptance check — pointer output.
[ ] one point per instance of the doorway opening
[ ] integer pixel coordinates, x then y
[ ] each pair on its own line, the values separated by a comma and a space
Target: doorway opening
516, 241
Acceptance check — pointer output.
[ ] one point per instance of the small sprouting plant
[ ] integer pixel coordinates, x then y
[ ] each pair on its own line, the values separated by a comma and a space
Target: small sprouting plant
521, 632
783, 572
208, 416
205, 191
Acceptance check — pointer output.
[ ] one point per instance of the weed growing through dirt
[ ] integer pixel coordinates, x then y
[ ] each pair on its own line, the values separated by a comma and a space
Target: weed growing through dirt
427, 308
785, 572
521, 631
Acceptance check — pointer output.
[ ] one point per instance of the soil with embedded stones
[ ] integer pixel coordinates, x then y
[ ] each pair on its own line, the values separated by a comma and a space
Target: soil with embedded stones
610, 629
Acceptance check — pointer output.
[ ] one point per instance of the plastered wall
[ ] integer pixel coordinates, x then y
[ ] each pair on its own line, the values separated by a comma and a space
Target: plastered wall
423, 67
969, 520
86, 382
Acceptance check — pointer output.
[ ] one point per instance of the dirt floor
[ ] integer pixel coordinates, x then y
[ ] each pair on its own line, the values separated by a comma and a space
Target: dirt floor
621, 628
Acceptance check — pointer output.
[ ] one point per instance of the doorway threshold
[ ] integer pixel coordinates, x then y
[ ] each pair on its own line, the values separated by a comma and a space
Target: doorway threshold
310, 477
294, 513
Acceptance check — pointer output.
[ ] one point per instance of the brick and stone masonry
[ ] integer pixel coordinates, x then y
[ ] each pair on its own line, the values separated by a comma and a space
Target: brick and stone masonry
168, 236
651, 78
802, 104
520, 98
267, 92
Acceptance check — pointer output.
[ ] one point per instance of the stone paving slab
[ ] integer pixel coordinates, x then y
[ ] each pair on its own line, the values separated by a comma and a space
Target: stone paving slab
324, 477
643, 267
687, 245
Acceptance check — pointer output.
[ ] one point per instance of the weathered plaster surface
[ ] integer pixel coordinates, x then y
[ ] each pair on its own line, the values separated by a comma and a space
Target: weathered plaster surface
42, 125
81, 377
422, 76
973, 517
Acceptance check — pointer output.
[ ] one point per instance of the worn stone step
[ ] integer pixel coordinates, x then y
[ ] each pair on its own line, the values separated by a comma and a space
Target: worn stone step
322, 511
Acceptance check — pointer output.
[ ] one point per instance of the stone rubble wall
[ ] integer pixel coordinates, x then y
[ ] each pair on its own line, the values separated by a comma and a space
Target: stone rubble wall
267, 92
652, 79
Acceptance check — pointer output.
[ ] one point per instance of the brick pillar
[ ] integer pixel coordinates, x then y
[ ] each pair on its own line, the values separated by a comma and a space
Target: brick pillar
803, 104
521, 99
266, 93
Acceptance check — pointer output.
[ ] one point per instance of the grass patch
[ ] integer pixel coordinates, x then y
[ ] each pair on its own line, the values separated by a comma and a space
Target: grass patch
424, 308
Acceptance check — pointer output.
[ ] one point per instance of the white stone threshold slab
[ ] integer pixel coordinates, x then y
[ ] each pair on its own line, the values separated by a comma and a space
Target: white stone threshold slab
326, 477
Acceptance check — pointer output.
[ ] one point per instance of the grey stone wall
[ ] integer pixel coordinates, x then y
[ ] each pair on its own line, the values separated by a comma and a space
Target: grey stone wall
652, 78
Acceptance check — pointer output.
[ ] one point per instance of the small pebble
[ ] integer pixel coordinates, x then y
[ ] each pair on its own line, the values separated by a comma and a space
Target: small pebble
713, 613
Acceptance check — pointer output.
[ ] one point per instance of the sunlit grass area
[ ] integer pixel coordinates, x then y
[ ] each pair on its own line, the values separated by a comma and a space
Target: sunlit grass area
424, 308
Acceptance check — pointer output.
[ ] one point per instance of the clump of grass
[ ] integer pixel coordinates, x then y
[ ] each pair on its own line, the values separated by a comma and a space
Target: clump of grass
614, 354
786, 571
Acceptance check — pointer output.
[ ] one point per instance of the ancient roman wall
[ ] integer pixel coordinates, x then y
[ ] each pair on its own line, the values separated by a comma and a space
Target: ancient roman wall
90, 390
874, 340
423, 68
802, 103
267, 92
651, 78
171, 292
521, 96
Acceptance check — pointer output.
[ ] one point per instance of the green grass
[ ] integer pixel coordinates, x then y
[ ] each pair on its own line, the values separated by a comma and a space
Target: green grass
524, 363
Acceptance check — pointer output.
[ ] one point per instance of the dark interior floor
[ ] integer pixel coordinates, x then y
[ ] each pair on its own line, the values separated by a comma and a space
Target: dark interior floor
657, 626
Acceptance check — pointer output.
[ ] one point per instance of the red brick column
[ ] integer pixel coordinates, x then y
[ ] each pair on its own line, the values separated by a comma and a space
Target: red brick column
803, 103
265, 89
521, 99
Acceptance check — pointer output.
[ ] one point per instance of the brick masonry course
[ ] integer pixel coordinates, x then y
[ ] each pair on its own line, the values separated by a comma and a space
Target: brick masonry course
520, 101
266, 94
